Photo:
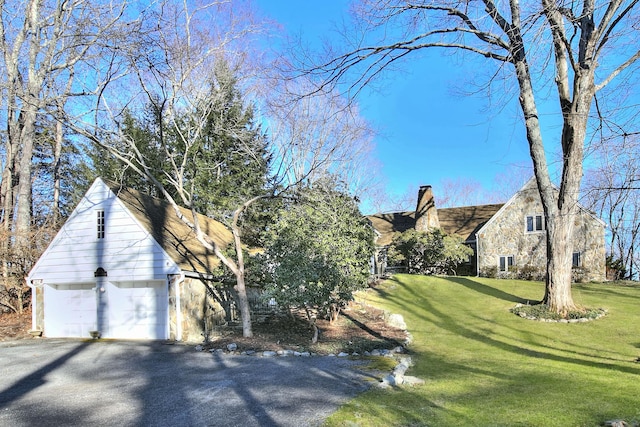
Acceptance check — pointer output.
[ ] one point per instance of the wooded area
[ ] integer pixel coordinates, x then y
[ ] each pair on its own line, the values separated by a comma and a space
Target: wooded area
183, 102
163, 98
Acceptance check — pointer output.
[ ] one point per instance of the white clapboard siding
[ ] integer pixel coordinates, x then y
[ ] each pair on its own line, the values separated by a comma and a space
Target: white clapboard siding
127, 252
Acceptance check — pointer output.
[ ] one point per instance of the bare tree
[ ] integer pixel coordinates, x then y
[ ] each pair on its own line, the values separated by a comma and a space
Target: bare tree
172, 68
174, 72
578, 48
318, 136
43, 43
464, 192
612, 190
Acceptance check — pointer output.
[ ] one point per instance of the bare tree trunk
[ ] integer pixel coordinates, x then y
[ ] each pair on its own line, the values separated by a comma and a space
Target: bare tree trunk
243, 305
312, 321
57, 152
241, 288
23, 202
559, 258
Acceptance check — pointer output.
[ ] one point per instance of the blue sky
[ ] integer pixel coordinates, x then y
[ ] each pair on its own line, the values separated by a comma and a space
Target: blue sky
429, 131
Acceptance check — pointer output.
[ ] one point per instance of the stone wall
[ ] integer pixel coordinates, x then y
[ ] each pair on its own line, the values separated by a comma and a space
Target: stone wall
39, 308
506, 235
200, 312
426, 213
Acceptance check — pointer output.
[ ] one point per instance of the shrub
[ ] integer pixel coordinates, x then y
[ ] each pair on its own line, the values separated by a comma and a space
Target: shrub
530, 272
490, 272
578, 275
541, 311
428, 252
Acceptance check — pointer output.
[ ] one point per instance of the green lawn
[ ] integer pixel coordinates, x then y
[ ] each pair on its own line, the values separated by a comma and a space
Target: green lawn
484, 366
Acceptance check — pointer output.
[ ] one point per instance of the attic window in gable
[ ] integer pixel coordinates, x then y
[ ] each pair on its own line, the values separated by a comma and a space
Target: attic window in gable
100, 224
534, 223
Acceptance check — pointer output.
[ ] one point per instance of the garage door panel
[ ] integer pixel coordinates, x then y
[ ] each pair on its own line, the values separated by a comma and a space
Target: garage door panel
138, 310
133, 310
69, 310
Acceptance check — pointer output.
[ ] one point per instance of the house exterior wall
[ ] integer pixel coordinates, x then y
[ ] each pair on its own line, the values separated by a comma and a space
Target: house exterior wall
127, 252
506, 235
199, 313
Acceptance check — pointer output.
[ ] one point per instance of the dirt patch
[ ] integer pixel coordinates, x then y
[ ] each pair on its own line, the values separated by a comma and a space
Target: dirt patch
15, 326
359, 328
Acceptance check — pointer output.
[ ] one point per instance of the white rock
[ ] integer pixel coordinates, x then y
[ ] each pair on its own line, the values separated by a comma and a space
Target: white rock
232, 347
269, 354
199, 347
397, 321
390, 380
343, 354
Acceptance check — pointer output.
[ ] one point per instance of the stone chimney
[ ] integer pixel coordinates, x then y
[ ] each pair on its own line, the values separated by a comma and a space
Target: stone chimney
426, 212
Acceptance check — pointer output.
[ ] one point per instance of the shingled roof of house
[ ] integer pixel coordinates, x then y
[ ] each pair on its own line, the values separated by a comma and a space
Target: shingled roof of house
462, 221
390, 223
466, 221
176, 238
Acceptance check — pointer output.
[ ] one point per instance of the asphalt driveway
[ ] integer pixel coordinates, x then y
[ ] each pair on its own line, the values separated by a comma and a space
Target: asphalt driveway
106, 383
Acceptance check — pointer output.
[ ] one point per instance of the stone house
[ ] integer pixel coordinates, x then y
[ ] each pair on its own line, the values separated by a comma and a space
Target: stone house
126, 266
508, 240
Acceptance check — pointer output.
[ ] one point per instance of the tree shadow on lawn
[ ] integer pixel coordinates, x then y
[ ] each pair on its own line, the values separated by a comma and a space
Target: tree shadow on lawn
610, 289
488, 290
419, 304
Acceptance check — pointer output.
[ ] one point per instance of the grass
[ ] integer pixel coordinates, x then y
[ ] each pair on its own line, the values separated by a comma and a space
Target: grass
485, 366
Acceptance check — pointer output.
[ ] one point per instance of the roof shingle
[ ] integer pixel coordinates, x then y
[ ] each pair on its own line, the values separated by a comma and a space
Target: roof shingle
176, 238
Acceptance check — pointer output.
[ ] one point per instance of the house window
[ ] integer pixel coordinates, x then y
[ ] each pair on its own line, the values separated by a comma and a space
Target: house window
577, 260
100, 224
534, 223
505, 263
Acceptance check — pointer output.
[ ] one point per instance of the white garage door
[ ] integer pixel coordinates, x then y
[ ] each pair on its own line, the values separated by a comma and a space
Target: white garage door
69, 310
137, 310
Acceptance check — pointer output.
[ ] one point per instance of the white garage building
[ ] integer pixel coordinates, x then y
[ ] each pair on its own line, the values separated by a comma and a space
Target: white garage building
126, 266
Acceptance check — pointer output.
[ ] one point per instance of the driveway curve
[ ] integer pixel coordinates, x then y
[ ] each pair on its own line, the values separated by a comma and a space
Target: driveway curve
120, 383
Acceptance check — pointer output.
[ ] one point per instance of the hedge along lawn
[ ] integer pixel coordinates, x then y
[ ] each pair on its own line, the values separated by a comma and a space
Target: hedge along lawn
485, 366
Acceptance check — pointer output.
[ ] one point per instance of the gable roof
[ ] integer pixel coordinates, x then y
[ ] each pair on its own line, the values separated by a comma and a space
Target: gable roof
171, 233
390, 223
467, 220
529, 185
462, 221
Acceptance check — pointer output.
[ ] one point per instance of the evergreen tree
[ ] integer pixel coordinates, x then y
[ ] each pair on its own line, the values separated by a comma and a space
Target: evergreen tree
231, 161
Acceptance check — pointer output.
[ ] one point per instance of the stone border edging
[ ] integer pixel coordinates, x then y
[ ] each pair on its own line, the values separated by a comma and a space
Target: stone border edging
397, 376
603, 312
